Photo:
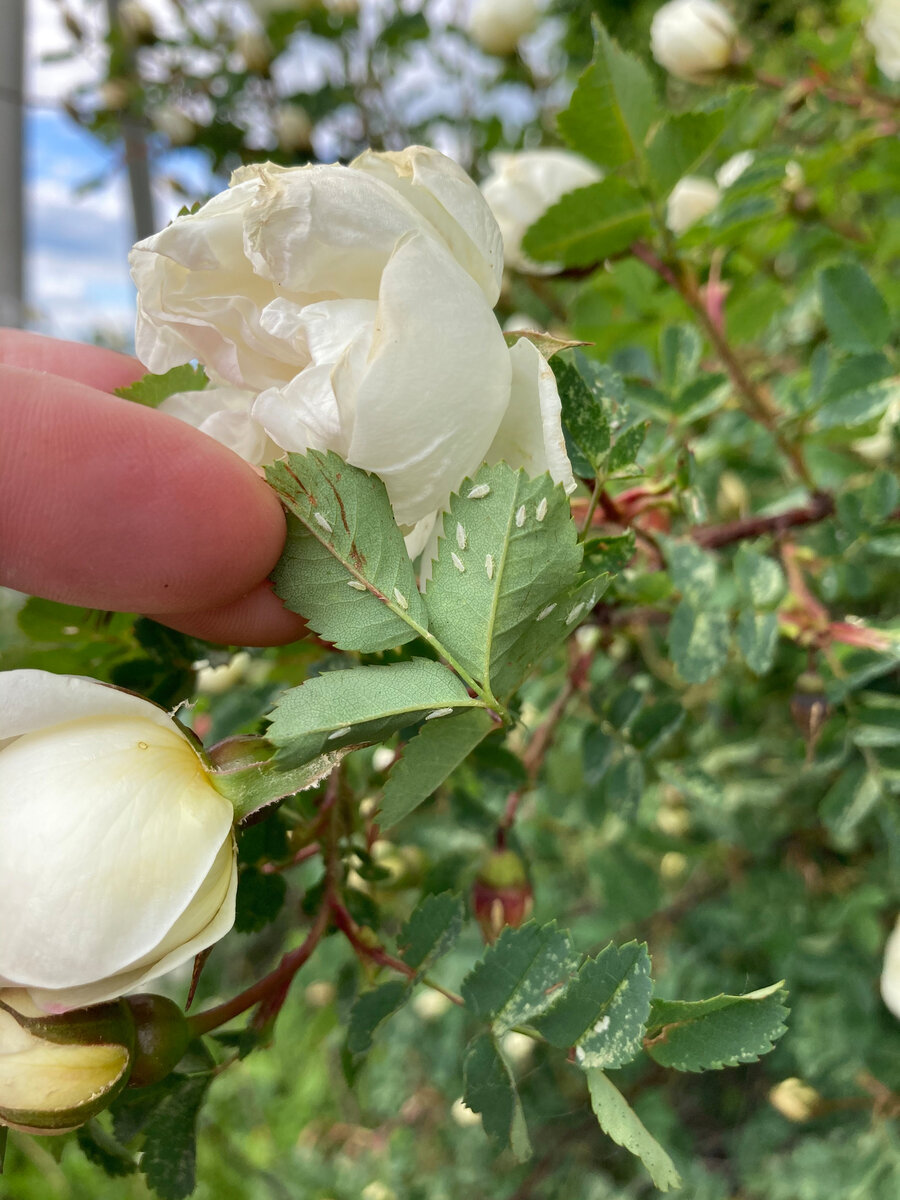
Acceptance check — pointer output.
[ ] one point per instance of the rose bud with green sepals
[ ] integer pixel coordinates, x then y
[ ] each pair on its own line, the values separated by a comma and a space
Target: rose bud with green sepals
501, 895
117, 852
162, 1035
56, 1072
693, 39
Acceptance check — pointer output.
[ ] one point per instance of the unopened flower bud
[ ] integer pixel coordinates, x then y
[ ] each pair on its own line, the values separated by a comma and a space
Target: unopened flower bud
795, 1100
135, 22
501, 894
890, 974
691, 199
162, 1035
693, 38
496, 25
56, 1072
809, 705
174, 124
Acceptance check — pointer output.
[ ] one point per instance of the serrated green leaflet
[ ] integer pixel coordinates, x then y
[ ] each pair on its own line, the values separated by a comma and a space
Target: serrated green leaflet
603, 1010
518, 976
620, 1122
509, 549
582, 412
371, 1009
168, 1159
437, 750
590, 224
704, 1035
363, 705
698, 642
431, 930
344, 566
490, 1090
757, 637
854, 310
612, 107
153, 389
683, 140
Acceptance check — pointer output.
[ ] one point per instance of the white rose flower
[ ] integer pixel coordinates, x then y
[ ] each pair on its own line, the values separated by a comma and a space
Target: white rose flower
224, 414
890, 975
691, 198
520, 189
117, 856
355, 303
693, 38
496, 25
883, 31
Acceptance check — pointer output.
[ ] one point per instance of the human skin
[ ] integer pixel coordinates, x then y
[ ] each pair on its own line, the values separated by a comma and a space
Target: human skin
111, 505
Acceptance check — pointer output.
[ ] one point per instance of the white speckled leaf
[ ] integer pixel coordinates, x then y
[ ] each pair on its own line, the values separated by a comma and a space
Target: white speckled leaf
704, 1035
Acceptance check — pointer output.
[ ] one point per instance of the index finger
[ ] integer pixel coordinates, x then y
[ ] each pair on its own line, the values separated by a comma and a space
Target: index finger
101, 368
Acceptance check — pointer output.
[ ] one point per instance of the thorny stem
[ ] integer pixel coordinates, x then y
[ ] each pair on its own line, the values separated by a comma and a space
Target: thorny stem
756, 399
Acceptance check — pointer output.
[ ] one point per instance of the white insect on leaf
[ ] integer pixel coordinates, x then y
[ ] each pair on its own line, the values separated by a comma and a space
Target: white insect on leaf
479, 491
489, 566
575, 613
541, 511
545, 612
401, 599
461, 539
520, 516
339, 732
457, 562
357, 585
320, 521
439, 712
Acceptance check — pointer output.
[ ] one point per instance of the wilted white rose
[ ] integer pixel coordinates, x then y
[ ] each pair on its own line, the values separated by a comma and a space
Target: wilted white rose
693, 38
293, 128
520, 189
497, 25
883, 31
224, 414
355, 303
176, 125
890, 974
691, 198
117, 856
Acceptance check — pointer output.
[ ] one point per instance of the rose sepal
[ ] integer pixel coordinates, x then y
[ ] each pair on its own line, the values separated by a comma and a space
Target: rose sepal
244, 772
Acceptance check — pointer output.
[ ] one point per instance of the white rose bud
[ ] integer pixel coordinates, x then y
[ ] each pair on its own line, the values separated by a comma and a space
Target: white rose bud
883, 31
174, 124
293, 128
890, 975
117, 856
355, 303
520, 189
691, 199
496, 25
693, 38
731, 170
55, 1075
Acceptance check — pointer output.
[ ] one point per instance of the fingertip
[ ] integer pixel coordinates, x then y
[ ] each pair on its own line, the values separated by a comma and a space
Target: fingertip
256, 619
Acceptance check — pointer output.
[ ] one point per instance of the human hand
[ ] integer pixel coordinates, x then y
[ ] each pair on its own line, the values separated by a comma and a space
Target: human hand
107, 504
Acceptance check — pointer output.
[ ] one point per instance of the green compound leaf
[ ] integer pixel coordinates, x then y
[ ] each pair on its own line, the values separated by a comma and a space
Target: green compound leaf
519, 975
362, 705
371, 1009
169, 1157
612, 107
509, 550
681, 143
590, 224
620, 1122
698, 642
153, 389
433, 754
704, 1035
101, 1148
855, 312
344, 567
431, 930
760, 579
603, 1011
490, 1090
